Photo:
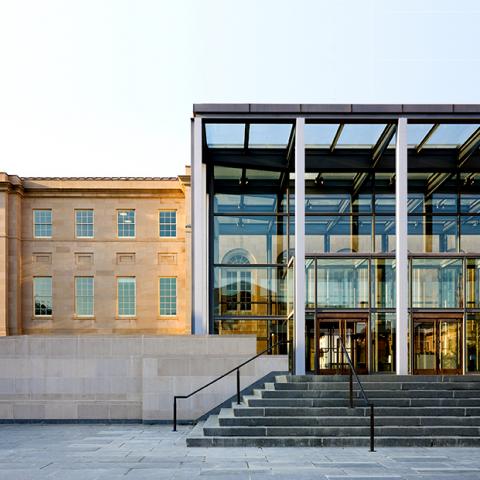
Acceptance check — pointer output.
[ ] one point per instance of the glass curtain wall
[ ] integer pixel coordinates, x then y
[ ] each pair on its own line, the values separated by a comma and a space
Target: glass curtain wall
250, 258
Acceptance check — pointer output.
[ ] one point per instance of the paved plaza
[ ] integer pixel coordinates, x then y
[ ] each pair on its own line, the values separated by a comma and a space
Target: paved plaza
88, 452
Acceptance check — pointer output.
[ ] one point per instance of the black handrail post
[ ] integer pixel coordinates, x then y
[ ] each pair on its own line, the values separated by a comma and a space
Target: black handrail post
351, 388
174, 414
372, 429
238, 386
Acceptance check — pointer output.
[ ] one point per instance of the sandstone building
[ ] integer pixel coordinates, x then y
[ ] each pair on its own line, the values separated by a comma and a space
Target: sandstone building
94, 255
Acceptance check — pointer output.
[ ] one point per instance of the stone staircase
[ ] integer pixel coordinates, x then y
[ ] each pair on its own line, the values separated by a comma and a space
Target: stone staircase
308, 411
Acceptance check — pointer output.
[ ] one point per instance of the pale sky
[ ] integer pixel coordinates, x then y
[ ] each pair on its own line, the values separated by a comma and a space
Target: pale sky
105, 88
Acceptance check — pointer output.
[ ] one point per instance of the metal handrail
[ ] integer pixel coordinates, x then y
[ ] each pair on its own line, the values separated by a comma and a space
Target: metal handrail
237, 369
353, 373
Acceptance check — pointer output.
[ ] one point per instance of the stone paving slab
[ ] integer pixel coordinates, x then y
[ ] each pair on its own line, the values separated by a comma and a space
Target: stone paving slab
135, 452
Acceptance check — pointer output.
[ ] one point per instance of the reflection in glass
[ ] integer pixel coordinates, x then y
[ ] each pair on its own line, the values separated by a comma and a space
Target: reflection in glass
451, 135
262, 237
470, 203
383, 285
342, 283
473, 342
470, 234
385, 203
360, 135
383, 342
268, 332
239, 204
225, 135
441, 203
338, 234
473, 283
310, 283
319, 135
432, 234
437, 283
384, 234
269, 135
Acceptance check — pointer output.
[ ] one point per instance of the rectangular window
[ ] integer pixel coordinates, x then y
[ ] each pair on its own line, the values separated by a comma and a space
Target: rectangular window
42, 293
126, 223
84, 223
168, 223
42, 223
84, 296
168, 296
126, 297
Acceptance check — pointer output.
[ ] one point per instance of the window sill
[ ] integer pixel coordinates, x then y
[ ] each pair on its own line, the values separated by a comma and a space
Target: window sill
42, 317
84, 317
42, 238
167, 317
120, 317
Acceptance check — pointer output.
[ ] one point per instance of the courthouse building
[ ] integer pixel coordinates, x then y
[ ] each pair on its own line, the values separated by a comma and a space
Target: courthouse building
94, 255
315, 223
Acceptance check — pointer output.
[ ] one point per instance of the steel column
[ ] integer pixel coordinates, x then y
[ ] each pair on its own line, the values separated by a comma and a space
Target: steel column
199, 234
299, 303
401, 250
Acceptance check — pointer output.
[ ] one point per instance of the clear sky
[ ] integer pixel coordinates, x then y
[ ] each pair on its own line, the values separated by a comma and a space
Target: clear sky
105, 88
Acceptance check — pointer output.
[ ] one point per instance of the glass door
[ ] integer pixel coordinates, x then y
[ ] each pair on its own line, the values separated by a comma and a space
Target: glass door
437, 344
331, 358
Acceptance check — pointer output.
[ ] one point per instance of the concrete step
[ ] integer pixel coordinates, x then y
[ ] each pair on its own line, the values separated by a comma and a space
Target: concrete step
213, 428
254, 401
365, 379
371, 394
341, 442
244, 411
371, 386
229, 419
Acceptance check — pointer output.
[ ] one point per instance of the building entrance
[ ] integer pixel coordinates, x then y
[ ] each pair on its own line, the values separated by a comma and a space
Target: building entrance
437, 344
352, 329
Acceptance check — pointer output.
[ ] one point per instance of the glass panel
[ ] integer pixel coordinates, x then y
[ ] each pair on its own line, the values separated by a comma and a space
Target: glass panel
84, 223
473, 342
226, 203
249, 290
268, 332
432, 234
416, 132
262, 174
416, 203
473, 283
383, 342
168, 296
424, 340
126, 297
451, 135
310, 283
225, 135
356, 343
383, 285
442, 203
42, 220
470, 203
385, 203
42, 292
342, 283
330, 353
470, 234
360, 135
338, 234
450, 345
269, 135
437, 283
319, 135
384, 234
326, 203
168, 223
84, 296
126, 223
262, 239
226, 173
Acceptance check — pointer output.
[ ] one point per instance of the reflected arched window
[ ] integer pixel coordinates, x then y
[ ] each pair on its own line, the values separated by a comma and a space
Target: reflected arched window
237, 291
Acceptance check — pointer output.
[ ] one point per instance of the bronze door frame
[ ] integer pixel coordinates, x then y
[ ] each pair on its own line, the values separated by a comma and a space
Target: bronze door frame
435, 319
342, 319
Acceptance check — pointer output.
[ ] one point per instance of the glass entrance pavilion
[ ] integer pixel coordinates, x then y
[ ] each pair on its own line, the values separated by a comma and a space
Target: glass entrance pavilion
321, 223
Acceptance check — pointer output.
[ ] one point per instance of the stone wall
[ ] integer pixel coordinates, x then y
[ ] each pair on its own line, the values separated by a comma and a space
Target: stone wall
121, 377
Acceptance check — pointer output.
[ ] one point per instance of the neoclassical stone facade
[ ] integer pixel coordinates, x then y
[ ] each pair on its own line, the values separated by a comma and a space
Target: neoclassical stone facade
88, 255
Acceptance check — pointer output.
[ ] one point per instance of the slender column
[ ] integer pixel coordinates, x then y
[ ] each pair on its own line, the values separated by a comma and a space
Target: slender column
401, 251
199, 234
299, 305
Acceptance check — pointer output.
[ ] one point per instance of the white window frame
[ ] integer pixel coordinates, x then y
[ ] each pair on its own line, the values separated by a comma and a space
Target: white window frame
130, 315
90, 315
77, 224
35, 223
169, 224
160, 297
119, 211
35, 296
